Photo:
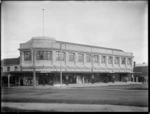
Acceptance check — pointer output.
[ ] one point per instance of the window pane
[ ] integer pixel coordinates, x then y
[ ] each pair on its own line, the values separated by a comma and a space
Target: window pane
71, 57
103, 60
116, 60
43, 55
80, 57
60, 56
109, 60
88, 58
123, 60
96, 58
129, 61
27, 55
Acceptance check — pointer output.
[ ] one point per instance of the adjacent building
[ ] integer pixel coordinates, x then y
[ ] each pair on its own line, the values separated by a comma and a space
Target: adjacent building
141, 72
44, 60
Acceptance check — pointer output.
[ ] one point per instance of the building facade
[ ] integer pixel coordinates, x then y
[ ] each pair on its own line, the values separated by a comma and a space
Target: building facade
141, 72
45, 60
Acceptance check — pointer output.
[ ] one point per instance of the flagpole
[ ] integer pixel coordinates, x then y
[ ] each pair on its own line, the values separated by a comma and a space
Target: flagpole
43, 22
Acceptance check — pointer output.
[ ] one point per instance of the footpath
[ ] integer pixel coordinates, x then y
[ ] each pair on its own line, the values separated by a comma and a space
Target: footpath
62, 107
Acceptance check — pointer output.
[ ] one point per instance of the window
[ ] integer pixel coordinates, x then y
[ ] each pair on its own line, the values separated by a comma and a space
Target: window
44, 55
96, 58
71, 57
2, 69
16, 68
123, 60
88, 58
116, 60
110, 59
8, 68
27, 55
129, 61
80, 57
60, 56
103, 60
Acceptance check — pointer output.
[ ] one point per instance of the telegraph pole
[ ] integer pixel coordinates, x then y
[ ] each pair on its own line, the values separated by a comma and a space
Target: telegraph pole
60, 64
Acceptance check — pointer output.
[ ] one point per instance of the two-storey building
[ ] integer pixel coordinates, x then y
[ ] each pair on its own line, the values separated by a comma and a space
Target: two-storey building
48, 58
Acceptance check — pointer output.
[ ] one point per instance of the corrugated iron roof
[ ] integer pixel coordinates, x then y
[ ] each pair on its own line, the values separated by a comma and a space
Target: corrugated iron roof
11, 61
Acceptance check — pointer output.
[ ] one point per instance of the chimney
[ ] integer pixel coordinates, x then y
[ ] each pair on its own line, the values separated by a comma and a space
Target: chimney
134, 64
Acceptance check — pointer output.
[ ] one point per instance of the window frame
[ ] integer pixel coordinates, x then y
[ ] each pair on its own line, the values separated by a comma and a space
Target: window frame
80, 57
96, 58
27, 56
71, 57
123, 62
44, 55
129, 61
88, 58
103, 59
110, 60
58, 56
116, 59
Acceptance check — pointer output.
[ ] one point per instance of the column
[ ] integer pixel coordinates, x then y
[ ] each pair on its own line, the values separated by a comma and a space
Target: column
137, 79
34, 69
106, 61
132, 77
84, 59
76, 59
8, 80
66, 58
99, 61
18, 81
53, 57
119, 61
126, 62
113, 61
21, 59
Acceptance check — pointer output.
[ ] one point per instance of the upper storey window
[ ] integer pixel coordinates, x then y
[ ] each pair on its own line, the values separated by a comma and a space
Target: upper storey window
71, 57
129, 61
80, 57
27, 55
60, 56
88, 58
110, 60
123, 60
16, 68
116, 60
96, 58
103, 60
43, 55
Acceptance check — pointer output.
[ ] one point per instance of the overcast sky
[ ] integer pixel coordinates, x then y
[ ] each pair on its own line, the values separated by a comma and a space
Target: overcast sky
113, 24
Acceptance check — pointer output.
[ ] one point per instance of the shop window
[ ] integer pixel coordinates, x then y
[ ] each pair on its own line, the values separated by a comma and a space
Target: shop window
60, 56
80, 57
71, 57
44, 55
27, 55
88, 58
110, 60
103, 60
96, 57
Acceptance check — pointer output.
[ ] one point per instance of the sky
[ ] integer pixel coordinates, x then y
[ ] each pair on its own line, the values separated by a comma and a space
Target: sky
113, 24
